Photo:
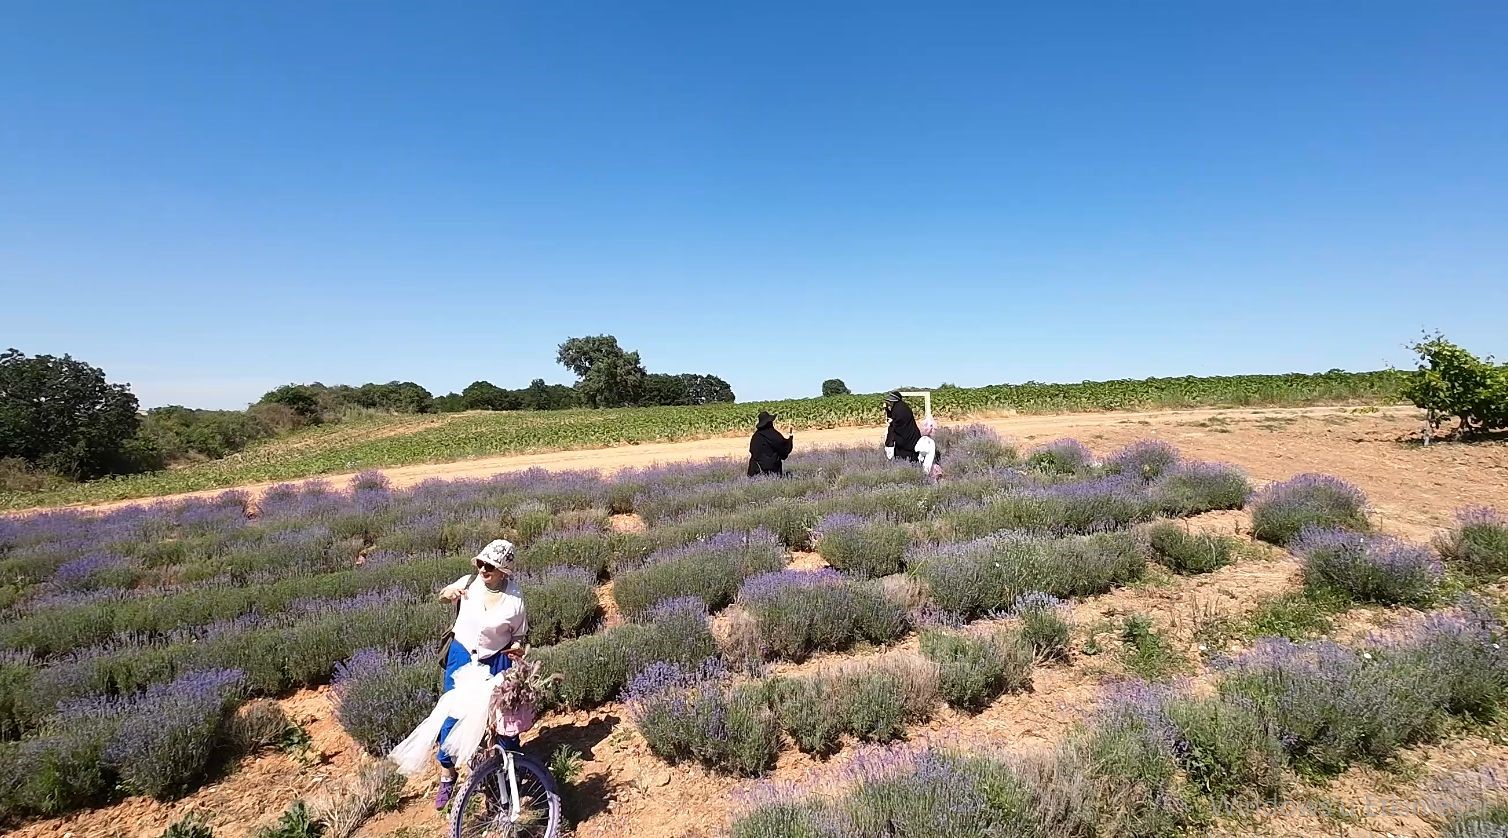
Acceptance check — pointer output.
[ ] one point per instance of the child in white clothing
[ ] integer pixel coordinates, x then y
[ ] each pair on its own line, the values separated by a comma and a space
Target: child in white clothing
926, 450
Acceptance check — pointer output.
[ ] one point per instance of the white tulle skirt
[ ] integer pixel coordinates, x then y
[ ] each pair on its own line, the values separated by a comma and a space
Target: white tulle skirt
468, 703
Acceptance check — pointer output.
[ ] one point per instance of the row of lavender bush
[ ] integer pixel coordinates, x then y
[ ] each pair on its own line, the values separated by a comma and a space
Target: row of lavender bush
1161, 761
591, 550
698, 712
311, 529
160, 741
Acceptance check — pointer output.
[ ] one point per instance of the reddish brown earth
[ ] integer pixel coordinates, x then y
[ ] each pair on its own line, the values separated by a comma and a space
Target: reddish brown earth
625, 791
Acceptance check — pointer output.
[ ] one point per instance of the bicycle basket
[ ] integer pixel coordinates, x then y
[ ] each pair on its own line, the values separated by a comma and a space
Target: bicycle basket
512, 721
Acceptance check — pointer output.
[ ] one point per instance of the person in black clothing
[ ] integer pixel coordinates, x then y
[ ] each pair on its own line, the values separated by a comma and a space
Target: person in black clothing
767, 448
902, 435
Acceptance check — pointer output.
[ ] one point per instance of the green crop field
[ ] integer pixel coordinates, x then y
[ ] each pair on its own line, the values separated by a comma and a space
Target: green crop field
408, 440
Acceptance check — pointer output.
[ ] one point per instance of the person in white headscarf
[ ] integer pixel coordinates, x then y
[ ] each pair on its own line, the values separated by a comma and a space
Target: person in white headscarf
926, 450
488, 634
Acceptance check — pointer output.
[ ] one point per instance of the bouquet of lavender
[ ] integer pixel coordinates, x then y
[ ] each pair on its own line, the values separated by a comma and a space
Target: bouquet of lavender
519, 694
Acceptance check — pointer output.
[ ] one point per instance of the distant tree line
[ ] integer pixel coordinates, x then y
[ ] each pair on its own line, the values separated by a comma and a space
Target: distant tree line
61, 416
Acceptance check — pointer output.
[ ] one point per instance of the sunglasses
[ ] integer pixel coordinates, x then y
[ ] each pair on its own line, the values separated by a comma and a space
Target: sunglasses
484, 566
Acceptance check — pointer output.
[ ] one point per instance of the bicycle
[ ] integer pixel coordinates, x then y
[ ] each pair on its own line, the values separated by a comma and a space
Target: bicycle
508, 795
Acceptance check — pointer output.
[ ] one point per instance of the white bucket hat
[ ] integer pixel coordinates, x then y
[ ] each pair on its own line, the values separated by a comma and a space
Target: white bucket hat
499, 554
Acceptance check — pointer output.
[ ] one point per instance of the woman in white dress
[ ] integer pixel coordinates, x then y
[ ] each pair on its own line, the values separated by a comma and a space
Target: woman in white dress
490, 625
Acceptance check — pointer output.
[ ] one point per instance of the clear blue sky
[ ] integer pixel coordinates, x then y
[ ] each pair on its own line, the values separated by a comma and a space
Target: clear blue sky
210, 199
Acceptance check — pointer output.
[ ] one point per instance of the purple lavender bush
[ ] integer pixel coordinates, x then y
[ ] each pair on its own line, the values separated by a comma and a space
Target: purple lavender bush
1130, 743
938, 794
972, 449
172, 732
898, 503
867, 549
58, 771
1148, 459
808, 709
709, 570
1061, 457
737, 492
883, 474
562, 603
311, 649
1478, 544
1098, 505
161, 741
778, 818
1225, 748
382, 694
529, 521
977, 667
1466, 648
62, 767
595, 668
95, 571
1331, 706
691, 712
446, 531
587, 549
1489, 819
1045, 624
1068, 508
800, 612
1188, 553
902, 791
1190, 488
370, 480
973, 578
1281, 511
791, 519
1368, 568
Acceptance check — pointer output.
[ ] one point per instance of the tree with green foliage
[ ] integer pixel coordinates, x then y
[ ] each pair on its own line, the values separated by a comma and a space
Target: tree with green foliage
303, 399
607, 376
394, 396
537, 395
706, 389
664, 390
1453, 383
179, 433
660, 389
484, 395
541, 396
448, 403
835, 387
63, 416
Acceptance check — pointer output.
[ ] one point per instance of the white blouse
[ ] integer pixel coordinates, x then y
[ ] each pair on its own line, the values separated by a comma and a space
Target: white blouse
489, 621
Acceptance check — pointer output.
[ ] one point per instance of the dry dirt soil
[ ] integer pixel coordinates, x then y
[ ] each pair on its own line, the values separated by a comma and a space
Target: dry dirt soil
625, 791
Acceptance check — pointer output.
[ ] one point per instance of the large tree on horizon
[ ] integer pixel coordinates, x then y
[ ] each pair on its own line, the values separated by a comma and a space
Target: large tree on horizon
606, 375
62, 415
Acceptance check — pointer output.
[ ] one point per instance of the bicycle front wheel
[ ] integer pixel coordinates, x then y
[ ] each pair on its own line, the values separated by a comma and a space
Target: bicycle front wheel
484, 808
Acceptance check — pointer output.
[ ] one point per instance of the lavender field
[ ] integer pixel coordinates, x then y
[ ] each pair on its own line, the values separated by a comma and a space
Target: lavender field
138, 642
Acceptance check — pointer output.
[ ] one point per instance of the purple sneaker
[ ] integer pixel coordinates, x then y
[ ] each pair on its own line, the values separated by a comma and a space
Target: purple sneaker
442, 797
